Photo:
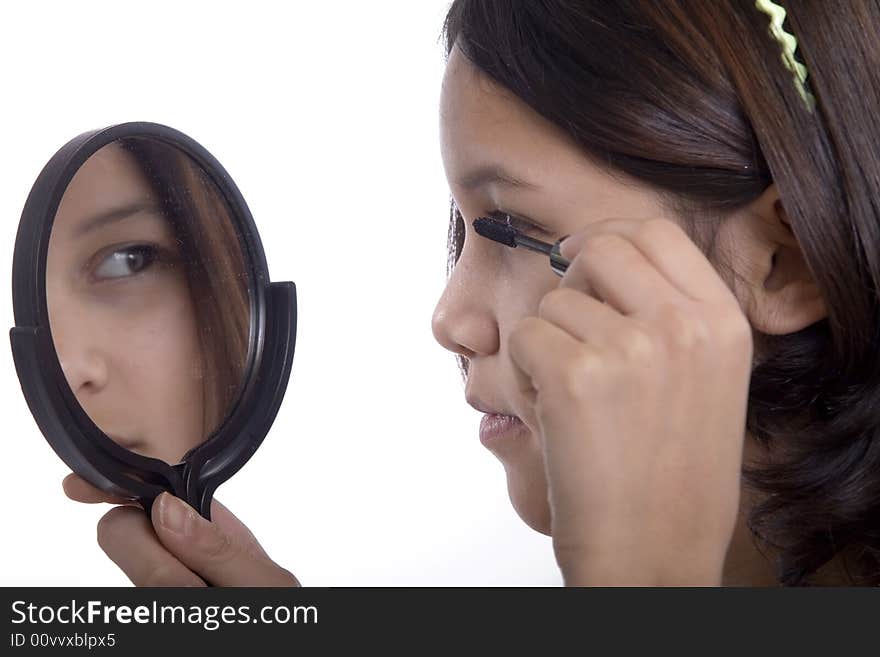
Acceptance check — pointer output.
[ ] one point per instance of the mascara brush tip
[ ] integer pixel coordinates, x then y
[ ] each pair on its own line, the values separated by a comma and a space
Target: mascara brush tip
496, 230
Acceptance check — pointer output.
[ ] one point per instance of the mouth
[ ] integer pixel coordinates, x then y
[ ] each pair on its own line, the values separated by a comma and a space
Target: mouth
127, 443
495, 429
496, 426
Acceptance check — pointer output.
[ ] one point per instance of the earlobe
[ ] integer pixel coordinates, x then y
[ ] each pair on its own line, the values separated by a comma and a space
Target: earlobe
784, 295
787, 309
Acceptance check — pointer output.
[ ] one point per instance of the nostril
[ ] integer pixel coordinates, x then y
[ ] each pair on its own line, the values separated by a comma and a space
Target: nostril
85, 373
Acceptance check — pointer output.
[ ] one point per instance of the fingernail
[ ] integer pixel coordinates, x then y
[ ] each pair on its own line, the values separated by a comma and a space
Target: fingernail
563, 251
174, 515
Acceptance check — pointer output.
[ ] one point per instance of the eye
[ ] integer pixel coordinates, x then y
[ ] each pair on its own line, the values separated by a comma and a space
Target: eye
522, 225
127, 261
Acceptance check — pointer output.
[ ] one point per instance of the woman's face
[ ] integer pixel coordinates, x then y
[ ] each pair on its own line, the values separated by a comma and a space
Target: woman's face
120, 310
502, 157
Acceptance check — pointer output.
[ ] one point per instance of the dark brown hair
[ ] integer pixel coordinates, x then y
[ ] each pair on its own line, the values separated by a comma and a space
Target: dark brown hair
212, 254
692, 99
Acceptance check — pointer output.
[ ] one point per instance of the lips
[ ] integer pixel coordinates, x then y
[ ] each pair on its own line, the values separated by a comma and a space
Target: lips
495, 427
128, 443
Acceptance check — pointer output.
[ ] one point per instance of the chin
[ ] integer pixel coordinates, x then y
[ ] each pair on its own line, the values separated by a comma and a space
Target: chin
527, 488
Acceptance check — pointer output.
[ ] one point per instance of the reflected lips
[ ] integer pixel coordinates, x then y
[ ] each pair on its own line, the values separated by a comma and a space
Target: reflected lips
124, 442
494, 427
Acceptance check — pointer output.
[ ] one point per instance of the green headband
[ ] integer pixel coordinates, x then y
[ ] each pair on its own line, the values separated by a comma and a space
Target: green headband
789, 46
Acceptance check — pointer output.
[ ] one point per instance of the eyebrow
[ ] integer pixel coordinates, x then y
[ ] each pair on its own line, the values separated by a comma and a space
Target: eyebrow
117, 214
493, 175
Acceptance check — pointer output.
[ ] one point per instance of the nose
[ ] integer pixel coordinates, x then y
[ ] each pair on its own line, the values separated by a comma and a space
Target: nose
464, 320
85, 369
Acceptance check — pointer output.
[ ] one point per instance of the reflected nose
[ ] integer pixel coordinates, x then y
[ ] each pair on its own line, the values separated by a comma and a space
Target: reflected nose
76, 333
85, 369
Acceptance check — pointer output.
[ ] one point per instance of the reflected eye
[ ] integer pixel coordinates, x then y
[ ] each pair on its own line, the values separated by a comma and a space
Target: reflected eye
126, 261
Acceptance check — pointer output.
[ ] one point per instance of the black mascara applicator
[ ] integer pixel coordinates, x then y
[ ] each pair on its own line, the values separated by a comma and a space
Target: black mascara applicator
498, 231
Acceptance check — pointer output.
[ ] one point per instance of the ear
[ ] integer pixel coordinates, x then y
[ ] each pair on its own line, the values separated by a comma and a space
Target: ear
781, 295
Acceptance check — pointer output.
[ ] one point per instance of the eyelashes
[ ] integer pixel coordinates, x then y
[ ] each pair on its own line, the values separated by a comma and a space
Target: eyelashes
125, 261
520, 224
514, 221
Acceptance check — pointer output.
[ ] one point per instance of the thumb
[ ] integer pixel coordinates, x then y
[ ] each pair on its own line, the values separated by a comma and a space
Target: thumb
205, 548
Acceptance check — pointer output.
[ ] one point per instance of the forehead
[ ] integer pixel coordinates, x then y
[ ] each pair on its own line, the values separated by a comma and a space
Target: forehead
109, 176
109, 185
484, 126
483, 123
104, 167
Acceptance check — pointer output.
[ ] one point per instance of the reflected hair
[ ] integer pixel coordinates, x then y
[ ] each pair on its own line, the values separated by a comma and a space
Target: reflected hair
212, 254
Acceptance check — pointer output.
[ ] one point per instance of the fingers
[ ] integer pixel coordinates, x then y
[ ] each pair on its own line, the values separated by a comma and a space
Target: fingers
583, 317
611, 267
79, 490
667, 246
540, 351
204, 547
235, 529
162, 551
127, 537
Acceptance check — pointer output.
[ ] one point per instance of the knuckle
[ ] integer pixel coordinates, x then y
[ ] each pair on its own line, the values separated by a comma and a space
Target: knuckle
217, 546
637, 345
685, 330
575, 378
590, 259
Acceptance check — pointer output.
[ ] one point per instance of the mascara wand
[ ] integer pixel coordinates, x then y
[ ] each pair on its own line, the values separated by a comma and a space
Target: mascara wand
498, 231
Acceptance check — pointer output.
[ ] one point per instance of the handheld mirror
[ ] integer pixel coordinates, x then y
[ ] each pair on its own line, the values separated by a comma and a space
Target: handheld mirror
151, 347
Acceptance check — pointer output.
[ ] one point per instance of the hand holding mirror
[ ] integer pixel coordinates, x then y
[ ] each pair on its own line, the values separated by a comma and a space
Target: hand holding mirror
151, 347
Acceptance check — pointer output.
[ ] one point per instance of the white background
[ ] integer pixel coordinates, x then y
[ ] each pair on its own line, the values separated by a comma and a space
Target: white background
325, 114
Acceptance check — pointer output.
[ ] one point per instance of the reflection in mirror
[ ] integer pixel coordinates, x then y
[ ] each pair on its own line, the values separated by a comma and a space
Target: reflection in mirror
148, 297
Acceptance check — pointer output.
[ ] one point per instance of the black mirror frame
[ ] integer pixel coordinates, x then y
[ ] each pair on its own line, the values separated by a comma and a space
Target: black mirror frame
69, 430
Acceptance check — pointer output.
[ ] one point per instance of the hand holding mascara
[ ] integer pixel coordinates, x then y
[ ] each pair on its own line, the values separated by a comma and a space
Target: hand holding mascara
634, 372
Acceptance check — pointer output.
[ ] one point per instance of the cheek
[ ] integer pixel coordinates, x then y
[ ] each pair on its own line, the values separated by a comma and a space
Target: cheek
165, 370
158, 345
518, 298
527, 279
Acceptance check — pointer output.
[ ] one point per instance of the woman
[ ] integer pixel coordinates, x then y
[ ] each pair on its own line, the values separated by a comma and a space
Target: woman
718, 316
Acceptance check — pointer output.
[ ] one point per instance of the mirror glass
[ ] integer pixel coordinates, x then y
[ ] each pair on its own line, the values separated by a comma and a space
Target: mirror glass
149, 297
